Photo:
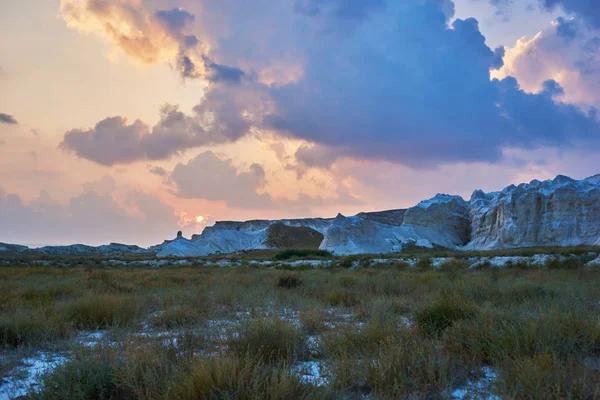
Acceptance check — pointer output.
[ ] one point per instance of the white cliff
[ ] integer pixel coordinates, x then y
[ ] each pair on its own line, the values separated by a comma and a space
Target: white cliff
440, 221
559, 212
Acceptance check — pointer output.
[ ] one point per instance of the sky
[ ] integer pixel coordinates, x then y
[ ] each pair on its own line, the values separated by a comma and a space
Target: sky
128, 120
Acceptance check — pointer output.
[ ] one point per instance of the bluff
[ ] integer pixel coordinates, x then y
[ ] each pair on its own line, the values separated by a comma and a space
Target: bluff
558, 212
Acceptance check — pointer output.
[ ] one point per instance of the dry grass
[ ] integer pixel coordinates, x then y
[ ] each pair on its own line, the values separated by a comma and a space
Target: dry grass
386, 332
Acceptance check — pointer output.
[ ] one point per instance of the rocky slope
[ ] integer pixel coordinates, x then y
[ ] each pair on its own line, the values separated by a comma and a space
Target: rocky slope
108, 249
440, 221
559, 212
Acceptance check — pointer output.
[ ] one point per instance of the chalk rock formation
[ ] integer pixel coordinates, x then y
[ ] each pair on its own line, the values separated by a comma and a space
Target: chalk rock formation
16, 248
113, 248
440, 221
559, 212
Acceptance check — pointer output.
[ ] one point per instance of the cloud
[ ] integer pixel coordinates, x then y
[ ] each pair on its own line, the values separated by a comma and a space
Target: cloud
421, 97
587, 10
383, 80
94, 215
503, 8
7, 119
553, 88
148, 37
566, 29
115, 141
573, 61
317, 156
348, 9
159, 171
543, 122
215, 179
223, 73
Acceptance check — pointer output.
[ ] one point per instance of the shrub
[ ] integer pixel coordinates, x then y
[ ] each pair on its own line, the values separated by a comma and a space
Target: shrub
401, 265
410, 368
342, 297
313, 321
269, 340
348, 281
423, 263
242, 379
297, 253
289, 281
23, 327
453, 265
442, 313
129, 372
177, 317
348, 261
80, 379
572, 262
543, 376
102, 310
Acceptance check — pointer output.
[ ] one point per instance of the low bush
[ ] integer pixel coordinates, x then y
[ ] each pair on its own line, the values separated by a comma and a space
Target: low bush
242, 379
411, 368
342, 297
453, 265
289, 281
313, 321
298, 253
28, 327
423, 263
571, 262
434, 318
95, 311
178, 317
269, 340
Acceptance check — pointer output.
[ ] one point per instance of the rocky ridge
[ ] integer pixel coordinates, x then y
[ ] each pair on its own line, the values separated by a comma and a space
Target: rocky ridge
558, 212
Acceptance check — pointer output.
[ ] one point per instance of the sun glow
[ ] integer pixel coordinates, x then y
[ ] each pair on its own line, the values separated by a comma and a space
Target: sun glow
199, 219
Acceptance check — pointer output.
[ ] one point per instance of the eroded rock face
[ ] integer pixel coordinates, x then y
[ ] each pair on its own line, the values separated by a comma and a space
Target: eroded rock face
356, 235
560, 212
443, 220
440, 221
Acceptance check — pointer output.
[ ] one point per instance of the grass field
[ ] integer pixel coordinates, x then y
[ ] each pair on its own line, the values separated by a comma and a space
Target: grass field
244, 333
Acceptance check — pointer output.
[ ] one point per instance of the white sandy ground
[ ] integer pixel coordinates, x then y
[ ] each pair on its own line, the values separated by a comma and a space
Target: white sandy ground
480, 389
28, 374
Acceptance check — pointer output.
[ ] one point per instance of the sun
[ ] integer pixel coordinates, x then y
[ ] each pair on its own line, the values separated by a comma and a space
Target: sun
199, 219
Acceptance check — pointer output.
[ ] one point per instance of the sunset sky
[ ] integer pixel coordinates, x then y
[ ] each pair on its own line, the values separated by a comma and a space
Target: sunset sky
126, 120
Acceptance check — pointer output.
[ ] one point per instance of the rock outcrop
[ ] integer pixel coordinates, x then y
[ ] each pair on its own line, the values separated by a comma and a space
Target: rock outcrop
113, 248
16, 248
440, 221
560, 212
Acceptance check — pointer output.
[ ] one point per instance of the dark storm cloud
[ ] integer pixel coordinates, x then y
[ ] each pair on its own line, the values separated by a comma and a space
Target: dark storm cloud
223, 73
7, 119
404, 85
553, 88
540, 120
351, 9
587, 10
566, 29
422, 97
